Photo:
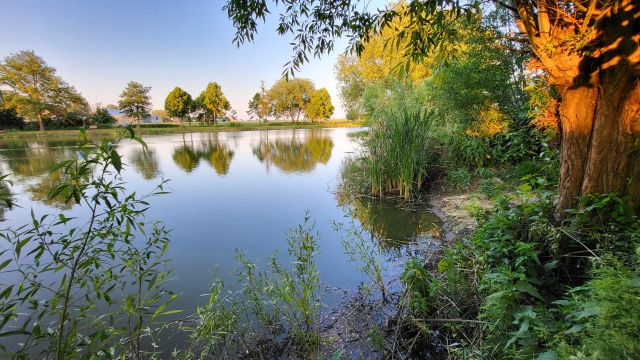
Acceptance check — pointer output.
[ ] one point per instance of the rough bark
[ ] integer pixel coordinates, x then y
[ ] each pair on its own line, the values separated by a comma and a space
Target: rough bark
599, 139
600, 107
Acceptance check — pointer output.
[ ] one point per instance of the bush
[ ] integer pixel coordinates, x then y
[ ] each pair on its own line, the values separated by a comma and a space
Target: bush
9, 119
101, 117
459, 179
467, 151
91, 284
559, 290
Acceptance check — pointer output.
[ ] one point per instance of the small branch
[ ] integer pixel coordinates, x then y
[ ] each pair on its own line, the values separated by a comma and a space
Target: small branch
454, 320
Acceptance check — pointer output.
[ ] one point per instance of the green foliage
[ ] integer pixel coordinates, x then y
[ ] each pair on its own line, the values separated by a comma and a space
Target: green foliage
274, 306
399, 153
468, 151
319, 106
315, 25
178, 103
260, 105
9, 119
421, 286
102, 117
602, 317
489, 187
135, 101
365, 254
552, 290
482, 79
290, 97
376, 338
35, 91
399, 150
211, 103
86, 286
459, 179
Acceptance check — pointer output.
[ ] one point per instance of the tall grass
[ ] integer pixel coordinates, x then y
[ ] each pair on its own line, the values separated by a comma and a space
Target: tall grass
399, 152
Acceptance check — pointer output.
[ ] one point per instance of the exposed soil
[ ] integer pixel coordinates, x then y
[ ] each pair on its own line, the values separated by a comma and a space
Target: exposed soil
347, 328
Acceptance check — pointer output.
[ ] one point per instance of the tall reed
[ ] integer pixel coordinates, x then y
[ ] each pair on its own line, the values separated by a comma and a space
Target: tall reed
399, 152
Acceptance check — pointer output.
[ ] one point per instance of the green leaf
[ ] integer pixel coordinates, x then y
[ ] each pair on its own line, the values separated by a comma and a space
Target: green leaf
5, 263
574, 329
548, 355
139, 139
116, 161
14, 332
526, 287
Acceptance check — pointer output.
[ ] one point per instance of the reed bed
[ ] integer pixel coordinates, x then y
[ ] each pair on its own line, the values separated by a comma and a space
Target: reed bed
399, 152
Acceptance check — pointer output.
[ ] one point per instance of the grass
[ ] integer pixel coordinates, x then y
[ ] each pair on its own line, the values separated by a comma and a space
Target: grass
148, 130
399, 153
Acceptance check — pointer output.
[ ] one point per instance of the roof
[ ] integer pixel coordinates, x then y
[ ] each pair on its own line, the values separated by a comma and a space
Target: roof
115, 112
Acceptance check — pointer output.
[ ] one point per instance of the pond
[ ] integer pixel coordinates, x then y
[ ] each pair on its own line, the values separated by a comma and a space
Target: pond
228, 191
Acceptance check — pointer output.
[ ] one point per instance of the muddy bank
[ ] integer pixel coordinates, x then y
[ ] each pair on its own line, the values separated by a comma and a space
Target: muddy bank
363, 326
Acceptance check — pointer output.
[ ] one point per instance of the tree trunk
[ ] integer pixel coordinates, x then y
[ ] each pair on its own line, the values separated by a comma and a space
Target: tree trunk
40, 122
600, 108
600, 137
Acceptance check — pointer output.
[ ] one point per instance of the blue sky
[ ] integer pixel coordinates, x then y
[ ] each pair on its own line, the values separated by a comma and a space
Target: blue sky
98, 46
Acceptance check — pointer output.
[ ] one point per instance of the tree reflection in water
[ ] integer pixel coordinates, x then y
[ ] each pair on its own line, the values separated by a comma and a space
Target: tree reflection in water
298, 154
35, 161
145, 161
215, 152
392, 225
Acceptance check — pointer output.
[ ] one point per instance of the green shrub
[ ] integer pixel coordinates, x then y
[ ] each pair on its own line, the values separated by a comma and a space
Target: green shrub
488, 187
559, 290
274, 313
90, 286
459, 179
467, 151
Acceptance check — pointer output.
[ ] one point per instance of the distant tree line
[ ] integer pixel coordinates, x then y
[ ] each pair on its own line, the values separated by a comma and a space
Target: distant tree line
210, 106
33, 96
291, 98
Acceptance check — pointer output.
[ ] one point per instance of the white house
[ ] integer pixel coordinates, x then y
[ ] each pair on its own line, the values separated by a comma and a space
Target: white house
123, 119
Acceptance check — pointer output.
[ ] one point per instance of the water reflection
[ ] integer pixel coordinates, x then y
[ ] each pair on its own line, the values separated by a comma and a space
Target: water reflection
212, 150
145, 161
186, 158
295, 154
218, 155
32, 159
392, 225
41, 189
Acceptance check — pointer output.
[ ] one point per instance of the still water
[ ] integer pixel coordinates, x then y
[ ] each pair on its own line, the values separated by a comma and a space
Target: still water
229, 190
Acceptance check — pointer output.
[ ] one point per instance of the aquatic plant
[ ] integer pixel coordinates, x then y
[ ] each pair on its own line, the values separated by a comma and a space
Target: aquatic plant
274, 312
398, 152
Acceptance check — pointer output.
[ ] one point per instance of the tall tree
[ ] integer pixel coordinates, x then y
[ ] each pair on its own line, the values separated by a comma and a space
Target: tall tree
135, 101
290, 96
319, 106
590, 50
178, 104
254, 106
213, 102
35, 91
102, 117
260, 105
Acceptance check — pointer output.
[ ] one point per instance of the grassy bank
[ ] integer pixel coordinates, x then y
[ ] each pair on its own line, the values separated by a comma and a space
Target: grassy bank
152, 130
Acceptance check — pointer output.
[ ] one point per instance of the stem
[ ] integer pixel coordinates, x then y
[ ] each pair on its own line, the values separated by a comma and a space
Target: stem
72, 274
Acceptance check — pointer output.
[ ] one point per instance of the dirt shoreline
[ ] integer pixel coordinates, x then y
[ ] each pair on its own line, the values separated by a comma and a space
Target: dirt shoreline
347, 327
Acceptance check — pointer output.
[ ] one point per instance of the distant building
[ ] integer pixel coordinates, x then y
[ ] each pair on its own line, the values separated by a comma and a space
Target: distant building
123, 119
